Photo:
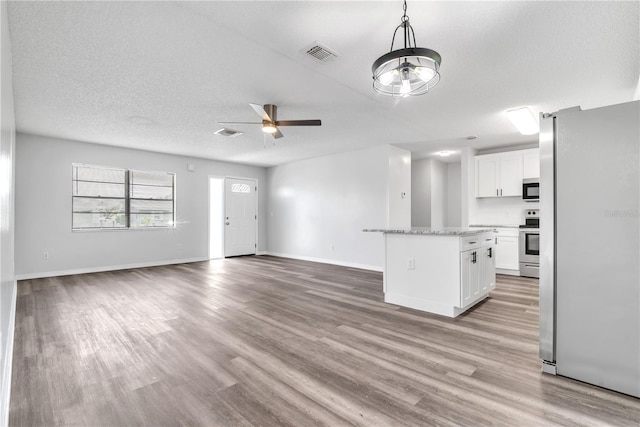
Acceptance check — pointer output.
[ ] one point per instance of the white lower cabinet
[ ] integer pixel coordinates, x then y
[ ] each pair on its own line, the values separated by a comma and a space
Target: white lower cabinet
488, 274
468, 277
507, 250
477, 273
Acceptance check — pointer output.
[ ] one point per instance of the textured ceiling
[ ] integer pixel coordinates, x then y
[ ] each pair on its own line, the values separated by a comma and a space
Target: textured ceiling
160, 75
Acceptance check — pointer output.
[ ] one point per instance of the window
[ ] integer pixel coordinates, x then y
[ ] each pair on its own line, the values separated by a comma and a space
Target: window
112, 198
151, 199
99, 197
240, 188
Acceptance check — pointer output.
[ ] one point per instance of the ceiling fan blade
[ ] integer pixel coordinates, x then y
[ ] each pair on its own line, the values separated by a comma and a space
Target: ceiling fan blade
261, 112
277, 134
240, 123
299, 123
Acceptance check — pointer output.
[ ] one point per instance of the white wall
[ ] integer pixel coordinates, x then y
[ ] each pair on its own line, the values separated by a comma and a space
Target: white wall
398, 188
507, 211
454, 196
438, 193
430, 195
43, 209
467, 183
319, 207
7, 177
421, 193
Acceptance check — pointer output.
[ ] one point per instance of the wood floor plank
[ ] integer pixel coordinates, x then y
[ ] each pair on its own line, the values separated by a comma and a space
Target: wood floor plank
271, 341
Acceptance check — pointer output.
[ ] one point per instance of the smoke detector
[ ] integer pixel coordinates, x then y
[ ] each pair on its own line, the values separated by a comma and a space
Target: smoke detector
319, 52
228, 132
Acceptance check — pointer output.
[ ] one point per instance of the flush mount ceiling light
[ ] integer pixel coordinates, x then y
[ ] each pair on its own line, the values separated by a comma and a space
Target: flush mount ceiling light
444, 153
523, 120
409, 71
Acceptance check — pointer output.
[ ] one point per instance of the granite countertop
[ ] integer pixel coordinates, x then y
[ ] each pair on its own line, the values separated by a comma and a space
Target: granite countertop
441, 231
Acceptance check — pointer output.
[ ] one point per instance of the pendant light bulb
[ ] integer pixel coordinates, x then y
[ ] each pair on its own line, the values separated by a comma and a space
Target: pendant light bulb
425, 74
388, 77
405, 87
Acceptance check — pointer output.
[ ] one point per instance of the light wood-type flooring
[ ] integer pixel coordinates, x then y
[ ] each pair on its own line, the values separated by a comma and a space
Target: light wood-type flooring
272, 341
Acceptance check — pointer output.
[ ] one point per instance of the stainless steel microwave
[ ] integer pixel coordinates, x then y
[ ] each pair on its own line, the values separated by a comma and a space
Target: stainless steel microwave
531, 189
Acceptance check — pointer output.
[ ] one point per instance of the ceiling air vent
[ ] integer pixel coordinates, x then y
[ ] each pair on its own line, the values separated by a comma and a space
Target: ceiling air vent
228, 132
320, 52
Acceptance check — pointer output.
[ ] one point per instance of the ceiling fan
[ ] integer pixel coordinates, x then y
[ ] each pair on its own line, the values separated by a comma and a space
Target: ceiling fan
270, 122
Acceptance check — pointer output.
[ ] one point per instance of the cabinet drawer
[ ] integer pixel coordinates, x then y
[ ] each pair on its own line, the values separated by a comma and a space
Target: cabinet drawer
487, 240
473, 242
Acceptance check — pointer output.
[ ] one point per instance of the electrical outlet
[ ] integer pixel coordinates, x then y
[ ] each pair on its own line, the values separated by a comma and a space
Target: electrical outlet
411, 263
332, 247
179, 246
45, 255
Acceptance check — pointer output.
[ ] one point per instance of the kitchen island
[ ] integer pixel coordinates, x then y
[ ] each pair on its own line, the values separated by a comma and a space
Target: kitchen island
444, 271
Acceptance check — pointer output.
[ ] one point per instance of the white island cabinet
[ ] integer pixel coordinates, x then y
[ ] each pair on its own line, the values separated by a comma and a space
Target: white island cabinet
442, 271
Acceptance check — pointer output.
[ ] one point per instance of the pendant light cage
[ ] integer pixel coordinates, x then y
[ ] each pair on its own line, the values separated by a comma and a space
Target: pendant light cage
409, 71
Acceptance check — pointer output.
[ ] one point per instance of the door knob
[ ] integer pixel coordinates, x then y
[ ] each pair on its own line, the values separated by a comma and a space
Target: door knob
227, 222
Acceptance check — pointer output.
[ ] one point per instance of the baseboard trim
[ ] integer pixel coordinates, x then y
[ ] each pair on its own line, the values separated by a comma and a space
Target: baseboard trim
508, 272
27, 276
8, 361
327, 261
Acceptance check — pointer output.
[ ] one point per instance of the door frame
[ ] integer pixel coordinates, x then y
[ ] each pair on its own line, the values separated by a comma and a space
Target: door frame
209, 210
224, 207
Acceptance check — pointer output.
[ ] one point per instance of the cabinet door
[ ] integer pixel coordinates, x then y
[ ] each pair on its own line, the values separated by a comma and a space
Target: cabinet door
531, 164
511, 174
469, 283
488, 277
465, 277
487, 176
507, 253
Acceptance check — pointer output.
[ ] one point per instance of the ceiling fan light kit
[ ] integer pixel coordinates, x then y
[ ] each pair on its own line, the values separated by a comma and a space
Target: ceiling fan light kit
408, 71
268, 127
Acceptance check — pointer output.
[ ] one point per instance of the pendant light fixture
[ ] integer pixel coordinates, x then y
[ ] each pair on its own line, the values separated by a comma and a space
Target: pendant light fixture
408, 71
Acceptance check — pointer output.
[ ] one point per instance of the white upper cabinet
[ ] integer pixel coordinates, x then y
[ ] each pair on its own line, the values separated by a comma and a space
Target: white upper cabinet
531, 163
511, 174
488, 172
499, 175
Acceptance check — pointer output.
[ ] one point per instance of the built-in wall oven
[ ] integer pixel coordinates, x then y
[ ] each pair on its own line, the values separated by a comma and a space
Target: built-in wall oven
529, 244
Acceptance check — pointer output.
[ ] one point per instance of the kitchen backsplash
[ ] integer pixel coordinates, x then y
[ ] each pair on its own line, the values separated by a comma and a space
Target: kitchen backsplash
499, 211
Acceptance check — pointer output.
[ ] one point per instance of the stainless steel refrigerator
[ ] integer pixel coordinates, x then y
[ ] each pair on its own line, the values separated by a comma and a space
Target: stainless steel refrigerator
590, 245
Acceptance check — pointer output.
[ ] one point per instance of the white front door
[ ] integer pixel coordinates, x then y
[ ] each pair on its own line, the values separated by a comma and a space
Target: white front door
240, 217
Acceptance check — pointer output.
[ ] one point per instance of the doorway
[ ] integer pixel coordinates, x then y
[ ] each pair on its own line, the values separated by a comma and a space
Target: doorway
233, 217
240, 217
